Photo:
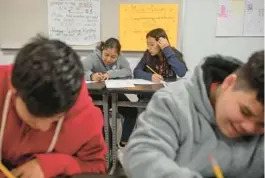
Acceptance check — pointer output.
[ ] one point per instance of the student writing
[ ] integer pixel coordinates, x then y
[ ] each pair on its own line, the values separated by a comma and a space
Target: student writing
218, 112
107, 62
165, 60
50, 125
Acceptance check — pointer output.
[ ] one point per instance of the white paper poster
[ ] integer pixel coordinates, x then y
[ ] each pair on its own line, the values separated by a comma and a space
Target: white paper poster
77, 22
254, 18
240, 18
230, 18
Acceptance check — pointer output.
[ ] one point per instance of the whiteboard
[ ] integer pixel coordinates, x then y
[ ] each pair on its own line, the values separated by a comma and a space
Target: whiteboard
240, 18
23, 19
76, 22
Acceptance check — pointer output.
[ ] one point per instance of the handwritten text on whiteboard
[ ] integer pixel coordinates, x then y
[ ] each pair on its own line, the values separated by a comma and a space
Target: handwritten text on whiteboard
77, 22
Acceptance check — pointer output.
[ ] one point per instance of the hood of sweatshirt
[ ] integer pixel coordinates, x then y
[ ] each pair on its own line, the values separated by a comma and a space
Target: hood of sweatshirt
82, 127
213, 69
177, 132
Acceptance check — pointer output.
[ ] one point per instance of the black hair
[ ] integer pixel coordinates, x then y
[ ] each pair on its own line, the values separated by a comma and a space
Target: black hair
47, 75
250, 76
110, 43
157, 33
217, 67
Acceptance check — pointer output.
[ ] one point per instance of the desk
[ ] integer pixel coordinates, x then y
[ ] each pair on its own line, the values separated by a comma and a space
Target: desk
99, 88
138, 89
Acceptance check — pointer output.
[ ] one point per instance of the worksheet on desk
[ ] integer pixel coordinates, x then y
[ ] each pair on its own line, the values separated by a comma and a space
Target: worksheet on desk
127, 83
89, 81
119, 83
142, 82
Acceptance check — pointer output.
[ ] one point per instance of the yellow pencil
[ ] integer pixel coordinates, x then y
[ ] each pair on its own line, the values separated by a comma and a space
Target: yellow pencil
5, 171
151, 69
216, 168
163, 82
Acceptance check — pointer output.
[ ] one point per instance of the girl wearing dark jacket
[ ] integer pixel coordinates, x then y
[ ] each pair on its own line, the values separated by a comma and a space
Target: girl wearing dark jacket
165, 60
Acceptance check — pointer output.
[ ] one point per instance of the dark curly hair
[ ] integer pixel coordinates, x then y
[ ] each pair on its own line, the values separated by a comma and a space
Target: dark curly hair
47, 75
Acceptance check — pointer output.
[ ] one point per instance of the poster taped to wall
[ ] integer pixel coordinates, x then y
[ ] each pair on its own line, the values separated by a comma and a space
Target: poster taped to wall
240, 18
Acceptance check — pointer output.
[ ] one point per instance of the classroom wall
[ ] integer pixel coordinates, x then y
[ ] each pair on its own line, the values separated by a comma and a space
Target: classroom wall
199, 35
198, 38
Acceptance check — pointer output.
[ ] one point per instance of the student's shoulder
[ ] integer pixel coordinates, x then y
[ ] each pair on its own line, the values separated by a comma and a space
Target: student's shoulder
5, 67
5, 76
84, 114
173, 49
5, 71
83, 102
176, 93
173, 102
177, 88
122, 57
92, 56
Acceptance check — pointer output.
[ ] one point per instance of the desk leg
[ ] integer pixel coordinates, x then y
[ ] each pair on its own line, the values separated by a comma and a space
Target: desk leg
106, 126
114, 100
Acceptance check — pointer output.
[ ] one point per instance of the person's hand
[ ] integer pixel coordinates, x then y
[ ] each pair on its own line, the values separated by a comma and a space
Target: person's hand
105, 76
30, 169
163, 42
156, 78
96, 76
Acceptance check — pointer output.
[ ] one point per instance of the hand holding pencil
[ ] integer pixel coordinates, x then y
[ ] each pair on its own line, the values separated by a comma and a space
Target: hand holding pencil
30, 169
155, 77
5, 171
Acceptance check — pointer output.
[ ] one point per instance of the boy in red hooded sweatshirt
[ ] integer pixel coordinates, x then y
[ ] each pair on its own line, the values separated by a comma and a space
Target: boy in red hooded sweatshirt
49, 125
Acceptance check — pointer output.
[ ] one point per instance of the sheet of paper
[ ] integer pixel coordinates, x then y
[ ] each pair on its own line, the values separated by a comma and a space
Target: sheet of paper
77, 22
254, 18
91, 81
132, 97
119, 83
136, 20
141, 82
230, 18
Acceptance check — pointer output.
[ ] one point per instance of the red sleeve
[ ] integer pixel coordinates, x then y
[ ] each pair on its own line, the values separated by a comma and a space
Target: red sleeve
89, 159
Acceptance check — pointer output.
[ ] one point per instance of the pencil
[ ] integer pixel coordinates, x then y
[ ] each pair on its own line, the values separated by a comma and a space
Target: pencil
216, 168
151, 69
163, 82
5, 171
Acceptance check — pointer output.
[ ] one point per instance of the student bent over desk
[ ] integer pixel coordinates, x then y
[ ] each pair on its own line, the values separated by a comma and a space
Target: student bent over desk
218, 112
107, 62
165, 61
49, 124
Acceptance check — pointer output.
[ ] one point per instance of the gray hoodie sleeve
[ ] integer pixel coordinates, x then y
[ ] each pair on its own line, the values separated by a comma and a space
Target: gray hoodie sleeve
124, 69
153, 145
88, 65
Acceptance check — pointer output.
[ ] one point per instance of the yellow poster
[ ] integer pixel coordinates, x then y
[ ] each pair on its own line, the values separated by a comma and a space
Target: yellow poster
136, 20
